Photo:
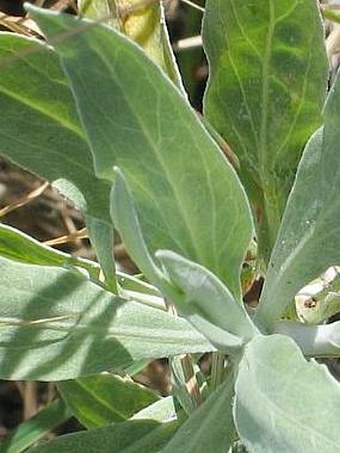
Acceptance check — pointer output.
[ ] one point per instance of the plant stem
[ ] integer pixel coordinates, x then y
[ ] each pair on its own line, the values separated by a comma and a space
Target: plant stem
217, 370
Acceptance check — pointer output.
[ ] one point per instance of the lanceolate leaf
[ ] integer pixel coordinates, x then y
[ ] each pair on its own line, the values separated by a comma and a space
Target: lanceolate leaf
18, 246
284, 403
204, 294
102, 241
210, 428
103, 399
268, 73
202, 313
31, 431
309, 238
188, 197
127, 223
57, 325
133, 436
39, 127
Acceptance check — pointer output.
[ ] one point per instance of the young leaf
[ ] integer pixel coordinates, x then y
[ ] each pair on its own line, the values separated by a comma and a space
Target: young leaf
103, 399
124, 215
314, 341
37, 427
41, 130
57, 325
188, 197
284, 403
309, 239
134, 436
102, 240
210, 427
203, 293
268, 76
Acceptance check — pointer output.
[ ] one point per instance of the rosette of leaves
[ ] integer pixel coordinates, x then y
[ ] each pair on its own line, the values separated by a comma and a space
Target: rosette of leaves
102, 119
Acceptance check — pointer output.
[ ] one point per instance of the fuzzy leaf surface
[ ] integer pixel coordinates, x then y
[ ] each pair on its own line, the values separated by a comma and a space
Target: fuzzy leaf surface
18, 246
203, 294
297, 399
132, 436
210, 427
57, 325
188, 197
41, 131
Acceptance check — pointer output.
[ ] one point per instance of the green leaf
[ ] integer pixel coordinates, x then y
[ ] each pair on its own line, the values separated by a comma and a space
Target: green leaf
41, 130
268, 78
187, 397
284, 403
162, 410
18, 246
103, 399
57, 325
309, 238
188, 197
210, 428
37, 427
314, 341
133, 436
124, 214
102, 240
204, 296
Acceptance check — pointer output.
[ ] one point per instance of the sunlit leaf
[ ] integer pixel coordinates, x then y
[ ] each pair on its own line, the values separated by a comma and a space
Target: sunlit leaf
284, 403
187, 195
206, 302
18, 246
210, 427
102, 241
55, 324
41, 131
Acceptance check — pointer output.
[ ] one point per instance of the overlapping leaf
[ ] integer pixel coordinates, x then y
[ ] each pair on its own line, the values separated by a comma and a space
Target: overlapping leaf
103, 399
102, 241
18, 246
143, 23
211, 427
39, 126
309, 238
207, 303
31, 431
132, 436
268, 73
198, 295
187, 195
57, 325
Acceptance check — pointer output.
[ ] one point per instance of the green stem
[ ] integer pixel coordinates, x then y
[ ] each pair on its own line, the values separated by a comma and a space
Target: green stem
217, 370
